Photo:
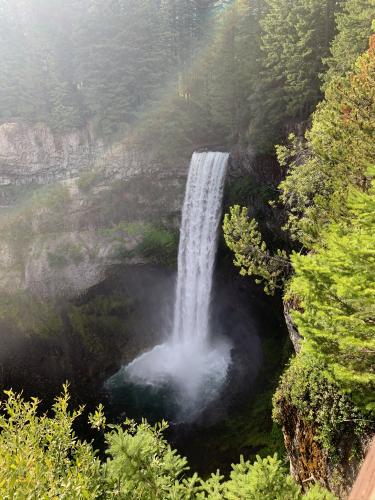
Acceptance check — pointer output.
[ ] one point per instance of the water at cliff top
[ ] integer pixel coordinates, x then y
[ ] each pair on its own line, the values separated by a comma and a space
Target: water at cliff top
192, 363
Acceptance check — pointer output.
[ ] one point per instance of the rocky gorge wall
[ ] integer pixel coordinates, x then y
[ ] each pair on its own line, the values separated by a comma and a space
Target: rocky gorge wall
67, 202
76, 286
74, 209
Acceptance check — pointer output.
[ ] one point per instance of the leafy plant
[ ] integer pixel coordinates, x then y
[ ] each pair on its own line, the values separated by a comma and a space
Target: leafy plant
251, 254
320, 402
40, 457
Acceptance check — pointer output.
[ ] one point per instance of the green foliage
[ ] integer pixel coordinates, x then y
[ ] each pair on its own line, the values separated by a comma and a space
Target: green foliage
317, 492
96, 321
288, 86
159, 245
88, 180
266, 478
30, 314
42, 211
335, 288
174, 74
321, 171
353, 23
65, 254
245, 190
143, 465
40, 456
321, 403
251, 255
305, 191
156, 243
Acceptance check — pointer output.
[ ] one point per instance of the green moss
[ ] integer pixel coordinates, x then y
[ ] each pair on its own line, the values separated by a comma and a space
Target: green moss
65, 254
159, 245
30, 315
321, 403
43, 211
97, 321
88, 180
124, 228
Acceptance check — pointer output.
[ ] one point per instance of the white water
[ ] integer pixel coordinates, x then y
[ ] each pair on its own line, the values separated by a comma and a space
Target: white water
191, 361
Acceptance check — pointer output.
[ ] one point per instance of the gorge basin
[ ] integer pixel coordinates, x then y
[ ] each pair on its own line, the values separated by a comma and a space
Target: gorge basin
180, 377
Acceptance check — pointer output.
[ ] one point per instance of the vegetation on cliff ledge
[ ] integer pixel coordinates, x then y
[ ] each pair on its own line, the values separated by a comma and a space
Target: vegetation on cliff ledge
328, 203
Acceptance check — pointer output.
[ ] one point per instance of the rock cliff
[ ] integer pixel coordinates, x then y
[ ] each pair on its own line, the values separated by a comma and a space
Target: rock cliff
69, 204
310, 462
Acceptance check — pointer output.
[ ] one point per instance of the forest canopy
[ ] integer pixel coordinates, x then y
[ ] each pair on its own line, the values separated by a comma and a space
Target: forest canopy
244, 70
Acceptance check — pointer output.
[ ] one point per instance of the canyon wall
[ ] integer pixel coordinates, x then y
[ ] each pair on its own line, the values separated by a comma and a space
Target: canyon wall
70, 203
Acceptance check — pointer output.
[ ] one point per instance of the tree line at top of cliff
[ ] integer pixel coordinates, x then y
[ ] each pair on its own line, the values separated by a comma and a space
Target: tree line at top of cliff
200, 70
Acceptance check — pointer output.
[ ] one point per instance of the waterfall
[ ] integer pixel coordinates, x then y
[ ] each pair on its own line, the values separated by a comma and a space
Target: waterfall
198, 243
190, 362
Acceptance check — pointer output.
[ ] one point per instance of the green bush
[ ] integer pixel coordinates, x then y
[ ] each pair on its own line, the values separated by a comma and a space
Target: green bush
65, 254
41, 457
159, 245
245, 188
30, 314
321, 403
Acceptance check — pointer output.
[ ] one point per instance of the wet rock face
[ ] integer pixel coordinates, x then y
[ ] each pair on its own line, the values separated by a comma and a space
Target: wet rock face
308, 462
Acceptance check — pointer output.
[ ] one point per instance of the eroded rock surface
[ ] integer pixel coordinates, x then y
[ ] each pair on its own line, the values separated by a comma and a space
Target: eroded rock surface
69, 205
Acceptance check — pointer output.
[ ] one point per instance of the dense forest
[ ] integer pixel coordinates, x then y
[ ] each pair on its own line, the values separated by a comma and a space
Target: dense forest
291, 83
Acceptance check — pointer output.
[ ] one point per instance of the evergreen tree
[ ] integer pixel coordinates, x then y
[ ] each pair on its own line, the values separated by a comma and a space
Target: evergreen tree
22, 93
251, 254
334, 287
295, 37
236, 66
52, 31
353, 31
322, 170
122, 63
40, 457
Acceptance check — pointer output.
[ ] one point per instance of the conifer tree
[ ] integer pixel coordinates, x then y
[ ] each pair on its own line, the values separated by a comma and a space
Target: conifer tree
336, 293
322, 170
353, 31
295, 37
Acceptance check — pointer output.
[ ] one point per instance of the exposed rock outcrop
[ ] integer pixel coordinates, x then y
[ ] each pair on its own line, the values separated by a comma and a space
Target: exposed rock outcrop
36, 155
294, 334
60, 239
310, 462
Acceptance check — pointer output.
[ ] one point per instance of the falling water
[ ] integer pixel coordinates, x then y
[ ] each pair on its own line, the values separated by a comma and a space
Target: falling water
198, 243
192, 363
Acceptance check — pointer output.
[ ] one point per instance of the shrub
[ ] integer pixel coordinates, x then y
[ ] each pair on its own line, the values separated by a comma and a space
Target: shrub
320, 402
40, 457
159, 245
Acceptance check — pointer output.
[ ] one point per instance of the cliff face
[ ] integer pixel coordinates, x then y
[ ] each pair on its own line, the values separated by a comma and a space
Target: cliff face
36, 155
69, 205
310, 462
73, 210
